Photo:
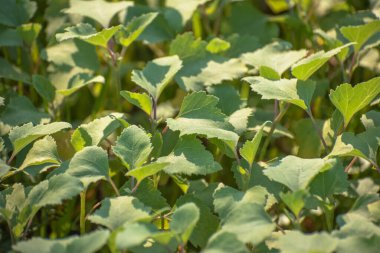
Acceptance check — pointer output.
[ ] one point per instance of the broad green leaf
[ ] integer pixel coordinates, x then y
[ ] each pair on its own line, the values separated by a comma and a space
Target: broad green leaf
98, 10
92, 133
240, 120
349, 100
88, 243
296, 242
306, 67
364, 145
9, 71
329, 182
133, 147
20, 110
157, 74
148, 194
89, 165
133, 235
116, 212
135, 27
199, 115
190, 157
294, 172
371, 119
229, 98
16, 12
225, 242
4, 168
274, 58
21, 136
207, 224
10, 37
184, 220
141, 100
185, 10
249, 149
294, 200
292, 91
360, 34
43, 151
249, 222
359, 243
88, 33
53, 191
147, 170
43, 87
307, 139
217, 45
29, 32
78, 81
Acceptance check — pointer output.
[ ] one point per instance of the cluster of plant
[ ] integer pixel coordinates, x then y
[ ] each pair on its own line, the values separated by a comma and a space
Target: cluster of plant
211, 126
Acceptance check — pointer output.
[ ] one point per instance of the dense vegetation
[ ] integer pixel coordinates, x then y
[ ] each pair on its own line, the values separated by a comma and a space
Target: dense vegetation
211, 126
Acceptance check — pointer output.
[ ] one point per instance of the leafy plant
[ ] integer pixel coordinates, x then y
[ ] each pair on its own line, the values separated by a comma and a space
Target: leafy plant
189, 126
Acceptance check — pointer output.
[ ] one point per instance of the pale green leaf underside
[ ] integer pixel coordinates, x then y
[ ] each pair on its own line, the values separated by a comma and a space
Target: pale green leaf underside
89, 165
86, 32
294, 172
141, 100
98, 10
133, 147
21, 136
184, 220
157, 74
349, 100
307, 66
292, 91
115, 212
360, 34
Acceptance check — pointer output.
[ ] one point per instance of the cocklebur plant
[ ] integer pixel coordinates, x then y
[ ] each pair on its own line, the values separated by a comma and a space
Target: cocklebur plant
189, 126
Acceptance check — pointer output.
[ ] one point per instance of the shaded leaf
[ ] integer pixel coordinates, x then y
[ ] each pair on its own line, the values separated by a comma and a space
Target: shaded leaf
184, 220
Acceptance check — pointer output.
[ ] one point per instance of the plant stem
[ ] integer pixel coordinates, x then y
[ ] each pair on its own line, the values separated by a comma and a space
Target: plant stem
319, 132
350, 164
82, 221
277, 119
112, 183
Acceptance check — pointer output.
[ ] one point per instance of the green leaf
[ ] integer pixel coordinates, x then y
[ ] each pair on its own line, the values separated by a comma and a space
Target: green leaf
183, 11
141, 100
147, 170
116, 212
292, 91
359, 243
11, 72
294, 172
249, 149
361, 33
88, 243
296, 242
184, 220
190, 157
306, 67
225, 242
207, 224
249, 222
363, 145
20, 110
349, 100
157, 74
43, 151
21, 136
29, 32
10, 37
371, 119
92, 133
294, 200
133, 235
274, 58
15, 13
135, 28
199, 115
217, 45
98, 10
229, 98
43, 87
88, 33
78, 81
133, 147
89, 165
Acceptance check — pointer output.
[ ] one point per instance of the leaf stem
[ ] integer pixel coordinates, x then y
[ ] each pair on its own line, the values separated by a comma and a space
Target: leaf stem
112, 183
350, 164
319, 132
82, 219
